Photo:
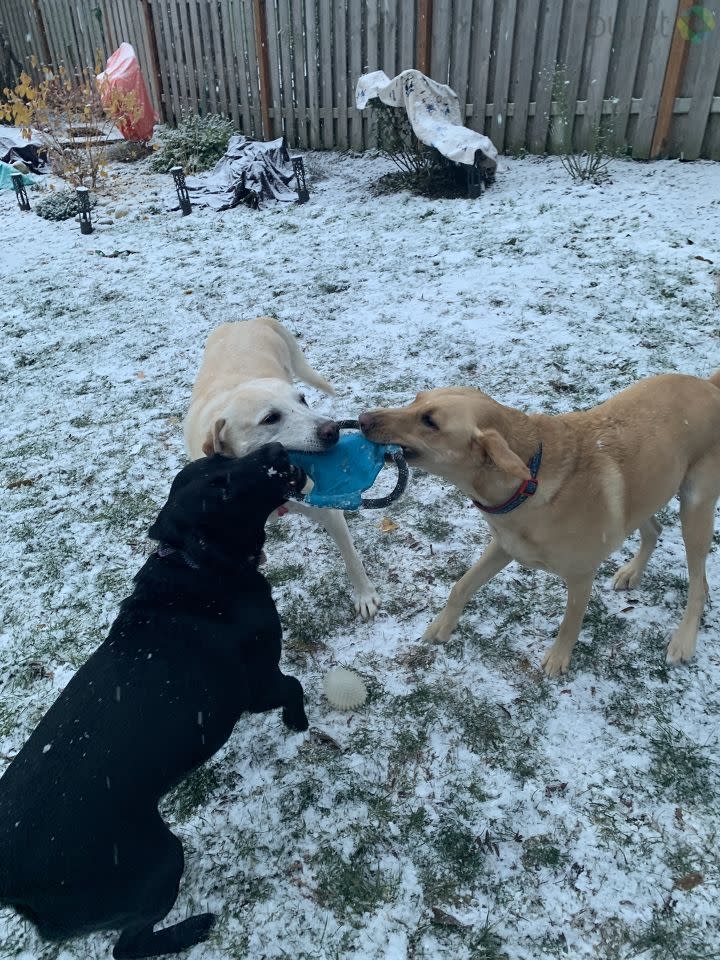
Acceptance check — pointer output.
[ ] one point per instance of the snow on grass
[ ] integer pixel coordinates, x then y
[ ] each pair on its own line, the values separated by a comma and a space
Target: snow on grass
472, 808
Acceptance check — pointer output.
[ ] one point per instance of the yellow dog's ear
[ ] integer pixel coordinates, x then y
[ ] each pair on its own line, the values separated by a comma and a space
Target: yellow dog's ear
494, 447
213, 440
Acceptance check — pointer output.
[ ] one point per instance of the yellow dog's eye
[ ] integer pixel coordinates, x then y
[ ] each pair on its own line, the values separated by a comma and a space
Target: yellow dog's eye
428, 421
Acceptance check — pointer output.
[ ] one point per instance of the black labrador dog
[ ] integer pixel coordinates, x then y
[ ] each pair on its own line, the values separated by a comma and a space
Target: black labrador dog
82, 844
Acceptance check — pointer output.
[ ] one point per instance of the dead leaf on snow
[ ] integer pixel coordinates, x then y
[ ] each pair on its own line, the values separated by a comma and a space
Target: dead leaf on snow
446, 919
688, 880
387, 525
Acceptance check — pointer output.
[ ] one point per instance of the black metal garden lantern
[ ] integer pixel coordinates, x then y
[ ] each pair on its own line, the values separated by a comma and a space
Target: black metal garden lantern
182, 190
299, 171
20, 192
83, 198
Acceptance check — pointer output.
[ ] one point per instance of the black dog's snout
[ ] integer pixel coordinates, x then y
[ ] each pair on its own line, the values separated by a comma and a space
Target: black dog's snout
366, 421
328, 432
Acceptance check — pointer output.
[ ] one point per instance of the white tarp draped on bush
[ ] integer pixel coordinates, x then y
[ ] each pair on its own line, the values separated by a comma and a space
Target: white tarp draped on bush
433, 110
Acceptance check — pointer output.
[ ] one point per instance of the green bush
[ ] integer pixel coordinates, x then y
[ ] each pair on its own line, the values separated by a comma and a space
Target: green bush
61, 205
195, 144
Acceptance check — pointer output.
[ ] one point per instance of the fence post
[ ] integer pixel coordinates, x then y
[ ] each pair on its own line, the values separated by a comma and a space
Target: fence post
42, 32
424, 36
671, 83
261, 51
154, 57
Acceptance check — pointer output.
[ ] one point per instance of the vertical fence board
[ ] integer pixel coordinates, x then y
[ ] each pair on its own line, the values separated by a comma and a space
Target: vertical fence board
625, 55
653, 81
501, 79
551, 18
170, 55
217, 69
200, 25
693, 127
481, 42
313, 72
388, 12
298, 73
406, 34
570, 62
440, 39
234, 47
274, 67
355, 35
245, 18
599, 50
460, 52
210, 75
285, 74
526, 30
325, 59
341, 89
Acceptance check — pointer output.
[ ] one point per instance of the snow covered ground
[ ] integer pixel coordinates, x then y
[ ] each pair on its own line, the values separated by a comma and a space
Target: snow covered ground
472, 808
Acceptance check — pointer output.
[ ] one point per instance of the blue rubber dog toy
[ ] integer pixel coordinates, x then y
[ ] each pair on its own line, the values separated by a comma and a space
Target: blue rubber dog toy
342, 473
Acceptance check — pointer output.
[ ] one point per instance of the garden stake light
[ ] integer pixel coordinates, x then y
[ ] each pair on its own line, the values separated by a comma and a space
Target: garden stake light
299, 171
83, 197
20, 192
182, 190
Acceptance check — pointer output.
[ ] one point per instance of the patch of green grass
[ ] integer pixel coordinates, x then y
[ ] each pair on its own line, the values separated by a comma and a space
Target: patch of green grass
193, 793
353, 885
669, 937
435, 527
541, 852
680, 767
285, 573
450, 863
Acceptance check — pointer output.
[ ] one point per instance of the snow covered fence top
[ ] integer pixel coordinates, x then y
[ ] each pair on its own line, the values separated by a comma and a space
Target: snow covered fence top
433, 110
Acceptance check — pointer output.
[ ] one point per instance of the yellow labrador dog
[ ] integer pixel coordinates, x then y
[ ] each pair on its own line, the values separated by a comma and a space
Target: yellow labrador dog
561, 493
244, 397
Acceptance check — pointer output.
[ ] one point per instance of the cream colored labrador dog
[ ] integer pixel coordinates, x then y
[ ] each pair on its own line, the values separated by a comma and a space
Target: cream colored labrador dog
561, 493
244, 397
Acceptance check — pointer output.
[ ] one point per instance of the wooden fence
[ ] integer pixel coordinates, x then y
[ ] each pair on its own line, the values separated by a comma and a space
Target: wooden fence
650, 68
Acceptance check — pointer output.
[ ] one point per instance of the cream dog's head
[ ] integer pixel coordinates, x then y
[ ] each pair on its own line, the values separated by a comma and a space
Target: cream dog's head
265, 410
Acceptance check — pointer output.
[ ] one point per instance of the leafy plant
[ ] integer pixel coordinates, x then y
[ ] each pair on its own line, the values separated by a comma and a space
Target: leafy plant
61, 205
197, 143
74, 115
590, 165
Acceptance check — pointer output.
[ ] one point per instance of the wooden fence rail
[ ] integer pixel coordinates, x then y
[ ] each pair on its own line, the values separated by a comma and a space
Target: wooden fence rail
529, 73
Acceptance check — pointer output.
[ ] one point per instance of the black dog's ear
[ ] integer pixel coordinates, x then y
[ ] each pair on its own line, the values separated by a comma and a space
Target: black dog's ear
214, 442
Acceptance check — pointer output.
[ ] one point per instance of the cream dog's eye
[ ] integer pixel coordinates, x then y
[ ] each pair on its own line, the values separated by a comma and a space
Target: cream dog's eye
272, 417
428, 421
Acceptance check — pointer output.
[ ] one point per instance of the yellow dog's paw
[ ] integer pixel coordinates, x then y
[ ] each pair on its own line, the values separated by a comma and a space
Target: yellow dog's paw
439, 631
681, 646
628, 576
556, 662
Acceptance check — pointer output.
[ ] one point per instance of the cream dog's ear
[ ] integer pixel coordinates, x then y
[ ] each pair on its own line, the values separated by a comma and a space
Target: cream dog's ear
494, 447
213, 440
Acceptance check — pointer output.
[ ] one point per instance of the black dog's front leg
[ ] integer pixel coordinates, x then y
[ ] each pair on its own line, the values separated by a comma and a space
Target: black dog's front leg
285, 692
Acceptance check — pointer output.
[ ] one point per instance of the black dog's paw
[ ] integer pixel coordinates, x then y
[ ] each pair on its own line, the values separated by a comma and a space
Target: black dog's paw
172, 939
295, 721
194, 930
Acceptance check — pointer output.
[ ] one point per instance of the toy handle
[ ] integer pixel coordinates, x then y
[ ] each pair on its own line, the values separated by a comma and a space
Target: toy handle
374, 503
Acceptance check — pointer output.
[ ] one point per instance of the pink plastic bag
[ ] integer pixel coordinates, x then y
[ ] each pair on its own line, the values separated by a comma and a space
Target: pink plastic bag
122, 72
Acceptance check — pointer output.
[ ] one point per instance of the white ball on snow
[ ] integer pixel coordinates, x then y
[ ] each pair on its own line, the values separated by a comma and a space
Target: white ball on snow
344, 689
